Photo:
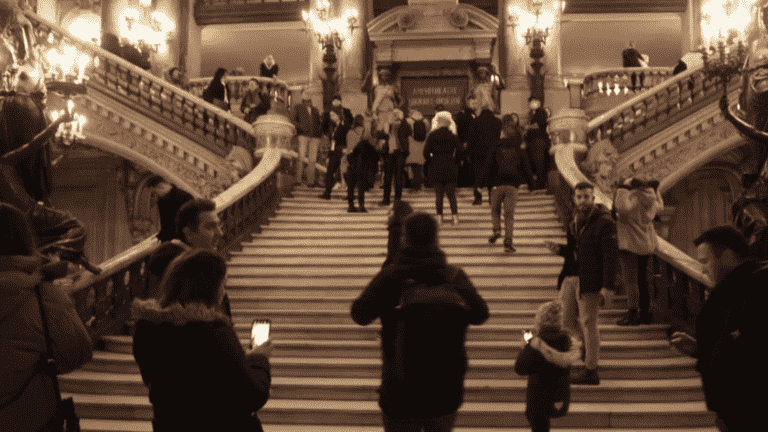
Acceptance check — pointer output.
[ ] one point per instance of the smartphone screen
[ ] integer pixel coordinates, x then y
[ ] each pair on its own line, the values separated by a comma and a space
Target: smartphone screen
260, 331
528, 336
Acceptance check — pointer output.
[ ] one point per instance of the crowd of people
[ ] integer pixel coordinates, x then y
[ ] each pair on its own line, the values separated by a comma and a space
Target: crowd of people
411, 150
191, 360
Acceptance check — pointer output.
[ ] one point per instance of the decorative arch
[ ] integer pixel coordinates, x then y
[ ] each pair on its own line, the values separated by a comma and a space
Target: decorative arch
143, 161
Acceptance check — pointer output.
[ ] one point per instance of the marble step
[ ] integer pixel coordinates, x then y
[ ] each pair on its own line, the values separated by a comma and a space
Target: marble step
485, 332
446, 242
500, 350
526, 249
471, 414
466, 262
381, 226
319, 316
339, 215
533, 212
263, 296
146, 426
545, 207
310, 367
350, 269
513, 283
342, 232
501, 389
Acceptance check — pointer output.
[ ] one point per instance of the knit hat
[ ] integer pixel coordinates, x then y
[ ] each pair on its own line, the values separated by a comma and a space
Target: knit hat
17, 237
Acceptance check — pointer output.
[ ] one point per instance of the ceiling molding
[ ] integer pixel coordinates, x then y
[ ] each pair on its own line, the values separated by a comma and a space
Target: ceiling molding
624, 6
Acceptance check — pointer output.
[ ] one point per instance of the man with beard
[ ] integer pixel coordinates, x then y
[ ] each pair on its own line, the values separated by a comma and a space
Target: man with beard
588, 272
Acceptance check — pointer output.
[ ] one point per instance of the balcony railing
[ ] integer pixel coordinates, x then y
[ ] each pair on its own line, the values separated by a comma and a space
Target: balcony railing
650, 112
180, 110
603, 90
237, 86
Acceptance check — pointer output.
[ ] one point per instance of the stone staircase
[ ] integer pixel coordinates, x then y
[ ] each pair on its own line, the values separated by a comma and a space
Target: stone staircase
306, 267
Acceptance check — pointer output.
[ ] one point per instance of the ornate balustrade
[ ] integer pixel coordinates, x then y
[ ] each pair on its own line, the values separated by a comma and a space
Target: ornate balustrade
650, 112
613, 86
238, 86
103, 301
180, 110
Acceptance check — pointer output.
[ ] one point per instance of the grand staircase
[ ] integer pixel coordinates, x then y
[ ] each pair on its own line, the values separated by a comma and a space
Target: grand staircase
311, 261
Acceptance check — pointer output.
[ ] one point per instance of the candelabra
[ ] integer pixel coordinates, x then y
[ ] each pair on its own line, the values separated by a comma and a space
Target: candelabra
70, 132
330, 33
722, 61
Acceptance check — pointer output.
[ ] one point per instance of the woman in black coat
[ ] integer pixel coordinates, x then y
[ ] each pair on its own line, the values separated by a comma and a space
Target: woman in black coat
443, 173
198, 375
256, 101
217, 93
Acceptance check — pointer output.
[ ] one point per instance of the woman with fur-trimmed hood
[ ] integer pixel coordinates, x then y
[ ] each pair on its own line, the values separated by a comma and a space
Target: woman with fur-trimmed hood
546, 360
198, 375
636, 204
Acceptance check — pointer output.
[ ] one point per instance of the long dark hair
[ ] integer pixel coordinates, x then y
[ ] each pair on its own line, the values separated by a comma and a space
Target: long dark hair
220, 72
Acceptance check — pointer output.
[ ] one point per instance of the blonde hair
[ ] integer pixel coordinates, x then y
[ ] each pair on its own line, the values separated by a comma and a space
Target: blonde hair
549, 315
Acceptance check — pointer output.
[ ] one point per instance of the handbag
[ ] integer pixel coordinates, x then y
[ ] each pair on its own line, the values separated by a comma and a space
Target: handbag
65, 419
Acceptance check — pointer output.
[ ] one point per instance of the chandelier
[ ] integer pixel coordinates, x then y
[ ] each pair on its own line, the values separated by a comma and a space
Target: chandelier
70, 132
146, 29
330, 32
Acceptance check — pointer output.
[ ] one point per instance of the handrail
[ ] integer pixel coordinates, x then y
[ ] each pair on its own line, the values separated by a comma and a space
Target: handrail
124, 81
238, 85
604, 83
565, 159
102, 300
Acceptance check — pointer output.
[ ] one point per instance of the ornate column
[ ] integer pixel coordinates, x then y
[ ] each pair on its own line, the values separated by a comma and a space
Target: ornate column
515, 50
554, 78
315, 71
352, 57
190, 40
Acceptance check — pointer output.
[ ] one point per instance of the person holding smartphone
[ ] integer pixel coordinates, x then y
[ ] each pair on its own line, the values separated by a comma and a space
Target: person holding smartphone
199, 376
549, 391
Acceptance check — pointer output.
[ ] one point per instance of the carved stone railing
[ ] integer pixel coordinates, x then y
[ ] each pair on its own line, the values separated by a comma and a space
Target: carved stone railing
605, 89
103, 301
238, 86
175, 108
650, 112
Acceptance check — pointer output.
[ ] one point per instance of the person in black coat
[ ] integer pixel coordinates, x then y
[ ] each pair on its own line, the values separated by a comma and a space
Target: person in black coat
537, 142
400, 210
256, 101
198, 375
731, 332
507, 168
361, 174
397, 150
268, 68
169, 201
422, 260
484, 132
217, 92
337, 134
589, 271
549, 385
463, 121
631, 59
440, 155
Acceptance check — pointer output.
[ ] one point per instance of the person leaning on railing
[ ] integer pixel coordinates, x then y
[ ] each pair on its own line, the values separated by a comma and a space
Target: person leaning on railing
199, 376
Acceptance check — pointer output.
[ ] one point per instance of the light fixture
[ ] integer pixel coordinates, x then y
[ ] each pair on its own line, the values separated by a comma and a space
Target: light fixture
534, 33
70, 132
330, 32
147, 30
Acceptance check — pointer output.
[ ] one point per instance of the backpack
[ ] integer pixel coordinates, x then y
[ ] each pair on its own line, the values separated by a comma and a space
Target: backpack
506, 161
419, 131
432, 320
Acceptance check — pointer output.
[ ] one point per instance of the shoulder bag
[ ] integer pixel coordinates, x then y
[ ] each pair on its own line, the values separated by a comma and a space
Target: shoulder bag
65, 419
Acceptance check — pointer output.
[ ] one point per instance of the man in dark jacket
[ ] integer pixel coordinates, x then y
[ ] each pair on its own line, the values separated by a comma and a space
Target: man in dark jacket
731, 332
198, 227
508, 168
399, 131
589, 271
631, 59
484, 132
463, 121
421, 260
337, 135
306, 118
169, 201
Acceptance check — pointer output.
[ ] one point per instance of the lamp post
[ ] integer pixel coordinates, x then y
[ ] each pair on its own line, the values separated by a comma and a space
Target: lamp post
535, 37
330, 33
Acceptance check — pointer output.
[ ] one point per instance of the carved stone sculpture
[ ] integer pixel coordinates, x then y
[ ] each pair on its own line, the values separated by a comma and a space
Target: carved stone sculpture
600, 165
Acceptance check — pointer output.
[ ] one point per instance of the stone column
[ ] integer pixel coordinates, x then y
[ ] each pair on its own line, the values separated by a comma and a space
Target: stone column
691, 26
352, 58
190, 40
554, 77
